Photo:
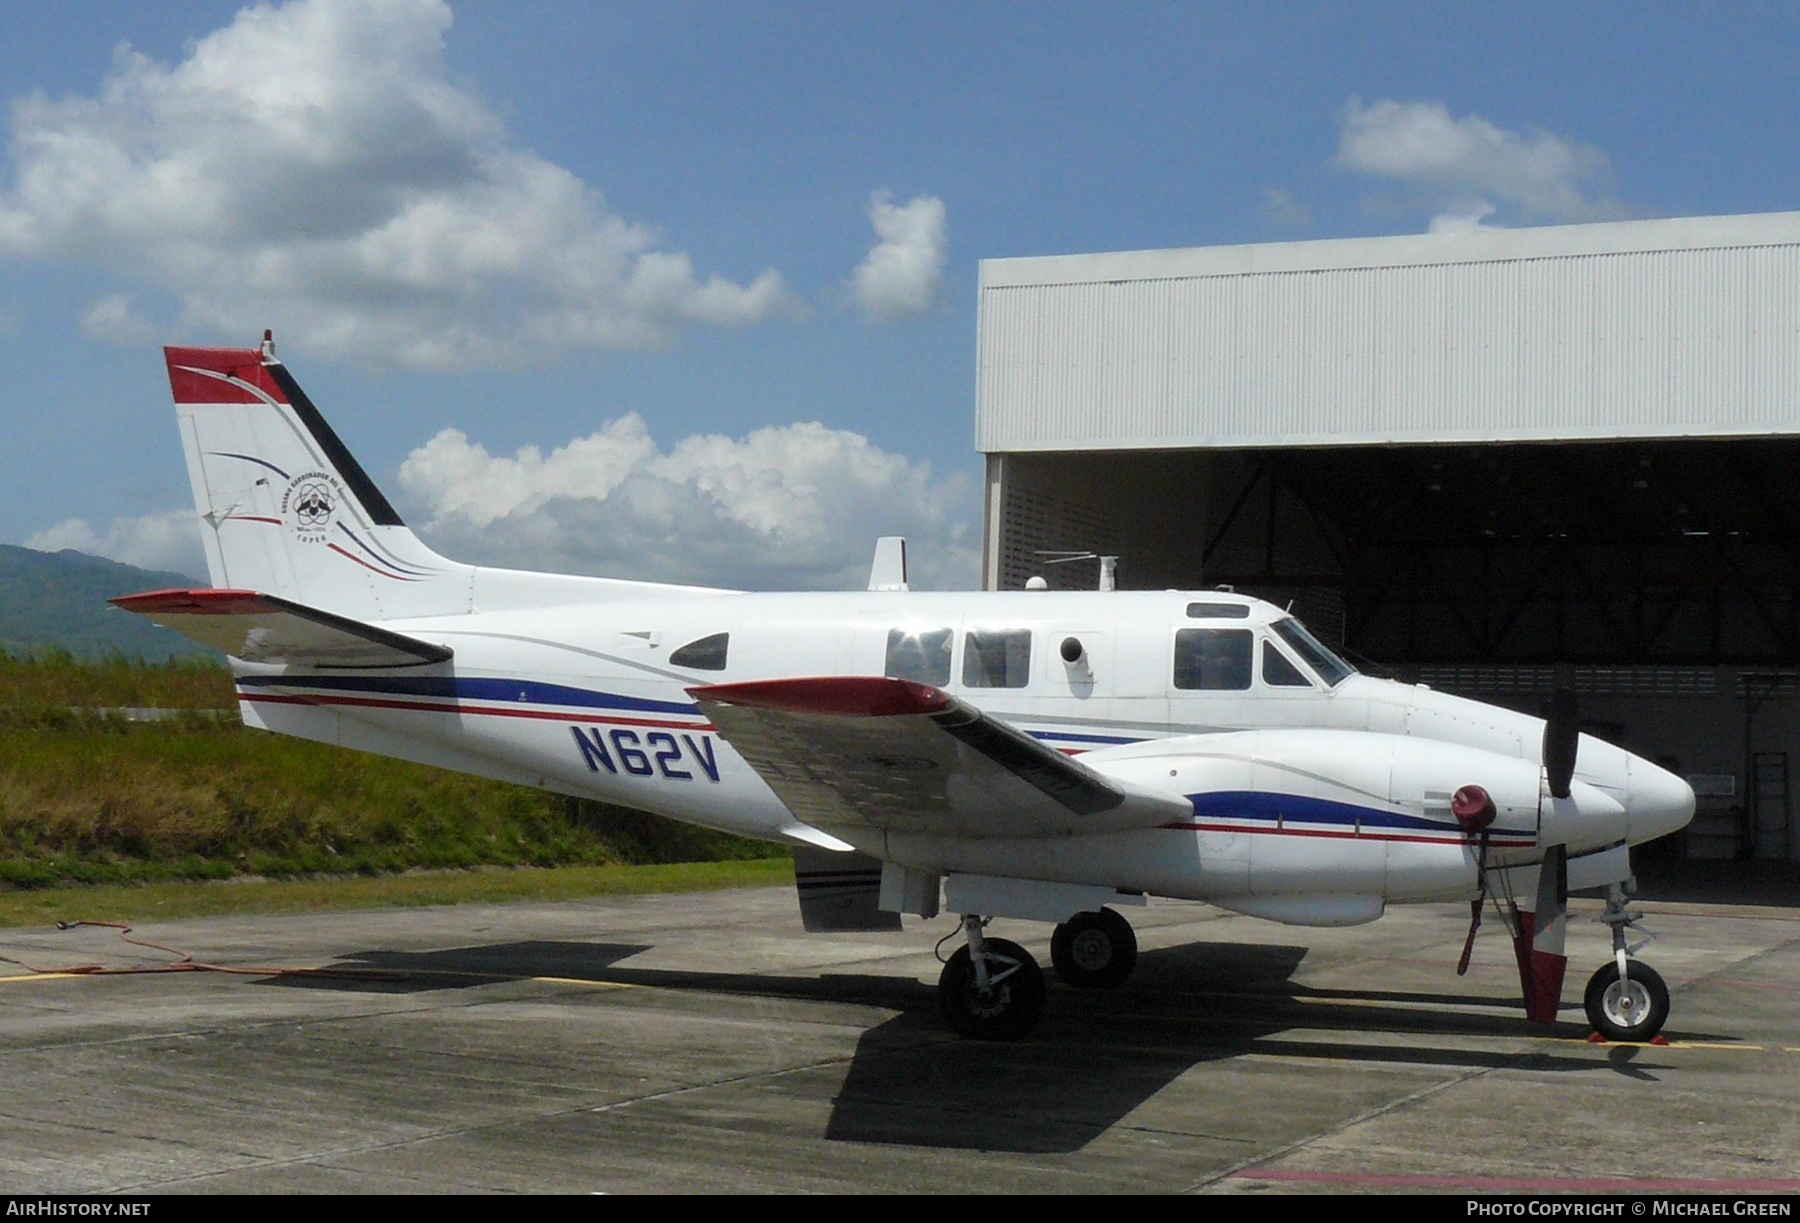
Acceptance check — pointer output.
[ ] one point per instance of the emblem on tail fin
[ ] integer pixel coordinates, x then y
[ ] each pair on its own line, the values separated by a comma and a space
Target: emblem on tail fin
309, 504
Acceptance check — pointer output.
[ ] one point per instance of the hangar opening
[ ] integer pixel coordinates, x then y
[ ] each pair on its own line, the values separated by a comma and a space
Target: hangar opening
1497, 462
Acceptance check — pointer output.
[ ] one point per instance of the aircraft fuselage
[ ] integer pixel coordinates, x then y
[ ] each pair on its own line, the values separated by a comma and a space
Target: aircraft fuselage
592, 700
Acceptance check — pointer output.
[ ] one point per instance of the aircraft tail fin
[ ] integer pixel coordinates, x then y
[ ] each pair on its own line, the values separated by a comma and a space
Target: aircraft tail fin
285, 508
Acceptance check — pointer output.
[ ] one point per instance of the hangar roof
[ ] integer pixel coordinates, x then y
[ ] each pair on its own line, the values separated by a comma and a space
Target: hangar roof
1685, 327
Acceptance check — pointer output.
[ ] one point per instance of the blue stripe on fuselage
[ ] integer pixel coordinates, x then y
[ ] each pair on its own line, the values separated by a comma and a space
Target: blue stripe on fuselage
455, 688
1109, 740
1264, 806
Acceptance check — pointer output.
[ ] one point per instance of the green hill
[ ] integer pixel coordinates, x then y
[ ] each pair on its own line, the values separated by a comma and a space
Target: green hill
58, 601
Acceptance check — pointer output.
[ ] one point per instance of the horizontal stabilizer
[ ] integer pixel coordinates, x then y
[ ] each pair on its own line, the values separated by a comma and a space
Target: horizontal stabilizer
266, 629
869, 752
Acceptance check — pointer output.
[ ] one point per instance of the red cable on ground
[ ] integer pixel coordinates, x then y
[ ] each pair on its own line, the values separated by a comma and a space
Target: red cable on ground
184, 962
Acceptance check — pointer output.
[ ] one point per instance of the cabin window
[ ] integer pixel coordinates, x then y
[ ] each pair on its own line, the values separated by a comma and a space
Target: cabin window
1330, 667
1218, 611
923, 657
706, 654
1213, 658
997, 659
1278, 672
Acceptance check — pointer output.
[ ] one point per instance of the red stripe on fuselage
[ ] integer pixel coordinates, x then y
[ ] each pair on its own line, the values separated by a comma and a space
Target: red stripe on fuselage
1364, 835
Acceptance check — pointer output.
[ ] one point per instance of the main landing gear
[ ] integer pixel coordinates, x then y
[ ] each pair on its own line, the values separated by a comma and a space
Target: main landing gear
991, 989
994, 990
1626, 1000
1094, 950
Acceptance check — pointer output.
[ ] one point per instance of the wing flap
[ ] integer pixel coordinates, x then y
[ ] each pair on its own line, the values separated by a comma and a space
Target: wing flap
264, 628
871, 752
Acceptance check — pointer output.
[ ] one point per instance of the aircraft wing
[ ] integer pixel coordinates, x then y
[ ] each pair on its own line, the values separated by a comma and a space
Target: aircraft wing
869, 752
267, 629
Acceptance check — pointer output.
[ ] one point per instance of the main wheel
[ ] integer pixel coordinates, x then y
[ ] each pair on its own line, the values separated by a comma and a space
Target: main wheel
1008, 1008
1094, 950
1632, 1010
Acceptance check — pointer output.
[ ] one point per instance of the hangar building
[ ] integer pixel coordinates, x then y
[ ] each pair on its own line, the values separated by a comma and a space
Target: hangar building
1497, 462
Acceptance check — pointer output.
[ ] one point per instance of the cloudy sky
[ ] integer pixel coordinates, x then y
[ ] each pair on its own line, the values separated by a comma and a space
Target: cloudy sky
686, 291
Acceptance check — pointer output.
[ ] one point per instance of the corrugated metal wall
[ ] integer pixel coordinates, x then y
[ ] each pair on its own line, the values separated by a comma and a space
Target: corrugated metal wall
1582, 345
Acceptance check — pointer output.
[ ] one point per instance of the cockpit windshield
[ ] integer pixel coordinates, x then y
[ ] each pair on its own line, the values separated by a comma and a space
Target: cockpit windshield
1330, 667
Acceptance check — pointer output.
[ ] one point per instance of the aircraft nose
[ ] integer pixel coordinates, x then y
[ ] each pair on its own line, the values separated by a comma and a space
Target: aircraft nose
1657, 802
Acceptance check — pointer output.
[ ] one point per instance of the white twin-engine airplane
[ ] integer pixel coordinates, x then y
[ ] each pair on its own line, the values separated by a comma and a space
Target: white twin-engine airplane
1034, 755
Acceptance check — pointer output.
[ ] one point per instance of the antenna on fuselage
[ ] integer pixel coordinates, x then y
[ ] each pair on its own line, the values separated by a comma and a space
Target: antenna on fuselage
888, 572
1109, 565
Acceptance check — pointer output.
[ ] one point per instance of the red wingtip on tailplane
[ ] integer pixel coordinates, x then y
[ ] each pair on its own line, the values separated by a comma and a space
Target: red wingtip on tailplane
220, 375
193, 602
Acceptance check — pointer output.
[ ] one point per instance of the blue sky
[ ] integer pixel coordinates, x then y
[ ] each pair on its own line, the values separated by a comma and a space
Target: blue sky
528, 222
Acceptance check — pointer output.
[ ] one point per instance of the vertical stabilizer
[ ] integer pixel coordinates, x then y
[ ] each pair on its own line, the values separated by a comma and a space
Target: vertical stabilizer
285, 509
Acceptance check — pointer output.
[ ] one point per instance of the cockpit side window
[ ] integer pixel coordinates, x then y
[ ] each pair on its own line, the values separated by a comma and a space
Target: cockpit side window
997, 659
1218, 611
1213, 658
706, 654
1278, 672
923, 657
1330, 667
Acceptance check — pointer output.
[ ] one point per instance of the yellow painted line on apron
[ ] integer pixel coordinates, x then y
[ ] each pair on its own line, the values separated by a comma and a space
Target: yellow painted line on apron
43, 976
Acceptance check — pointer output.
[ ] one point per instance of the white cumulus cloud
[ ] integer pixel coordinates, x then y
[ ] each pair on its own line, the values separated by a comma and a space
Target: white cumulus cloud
1468, 168
902, 276
116, 320
169, 540
1284, 211
311, 166
791, 507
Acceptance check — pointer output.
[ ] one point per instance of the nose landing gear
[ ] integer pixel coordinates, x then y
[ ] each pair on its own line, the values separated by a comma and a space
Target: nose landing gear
1625, 1000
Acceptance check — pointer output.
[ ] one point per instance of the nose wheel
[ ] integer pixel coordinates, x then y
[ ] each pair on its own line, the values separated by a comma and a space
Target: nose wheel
1632, 1008
1094, 950
1626, 1000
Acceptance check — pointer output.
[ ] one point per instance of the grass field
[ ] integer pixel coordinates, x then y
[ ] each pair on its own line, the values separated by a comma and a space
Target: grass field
169, 901
87, 797
54, 681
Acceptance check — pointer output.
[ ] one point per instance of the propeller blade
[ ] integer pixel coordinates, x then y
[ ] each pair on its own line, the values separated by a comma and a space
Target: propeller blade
1562, 735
